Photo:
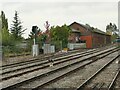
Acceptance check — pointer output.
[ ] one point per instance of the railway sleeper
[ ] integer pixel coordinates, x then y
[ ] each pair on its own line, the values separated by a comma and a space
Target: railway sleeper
99, 86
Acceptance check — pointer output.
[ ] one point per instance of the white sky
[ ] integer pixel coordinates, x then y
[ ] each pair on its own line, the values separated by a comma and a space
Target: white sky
58, 12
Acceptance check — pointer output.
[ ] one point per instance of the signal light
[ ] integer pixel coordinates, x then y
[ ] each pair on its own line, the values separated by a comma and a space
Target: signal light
34, 29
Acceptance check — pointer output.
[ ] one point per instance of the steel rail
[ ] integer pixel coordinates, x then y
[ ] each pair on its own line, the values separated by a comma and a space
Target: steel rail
46, 61
86, 81
114, 79
54, 71
41, 67
34, 60
37, 59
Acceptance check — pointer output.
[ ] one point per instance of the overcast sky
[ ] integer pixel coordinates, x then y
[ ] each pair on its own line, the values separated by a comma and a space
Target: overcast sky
96, 14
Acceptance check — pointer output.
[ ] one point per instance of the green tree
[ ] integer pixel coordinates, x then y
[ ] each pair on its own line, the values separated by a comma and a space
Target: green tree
31, 35
6, 38
112, 30
41, 39
4, 20
59, 35
17, 28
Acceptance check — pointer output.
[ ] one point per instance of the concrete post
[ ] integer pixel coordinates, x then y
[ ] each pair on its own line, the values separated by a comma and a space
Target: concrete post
35, 50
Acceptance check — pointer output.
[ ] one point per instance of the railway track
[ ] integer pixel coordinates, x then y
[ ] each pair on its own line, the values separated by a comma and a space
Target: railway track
37, 59
115, 81
12, 69
43, 58
23, 81
80, 78
46, 57
7, 74
115, 84
102, 78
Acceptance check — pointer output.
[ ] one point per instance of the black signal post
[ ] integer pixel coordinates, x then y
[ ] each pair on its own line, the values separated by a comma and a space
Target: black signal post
34, 30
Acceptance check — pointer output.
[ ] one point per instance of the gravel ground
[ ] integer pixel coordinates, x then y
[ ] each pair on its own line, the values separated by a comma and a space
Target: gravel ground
76, 78
105, 76
50, 76
17, 59
33, 74
117, 84
11, 60
79, 76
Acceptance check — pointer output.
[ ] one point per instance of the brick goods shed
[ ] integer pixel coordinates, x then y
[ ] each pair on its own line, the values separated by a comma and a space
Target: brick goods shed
92, 36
